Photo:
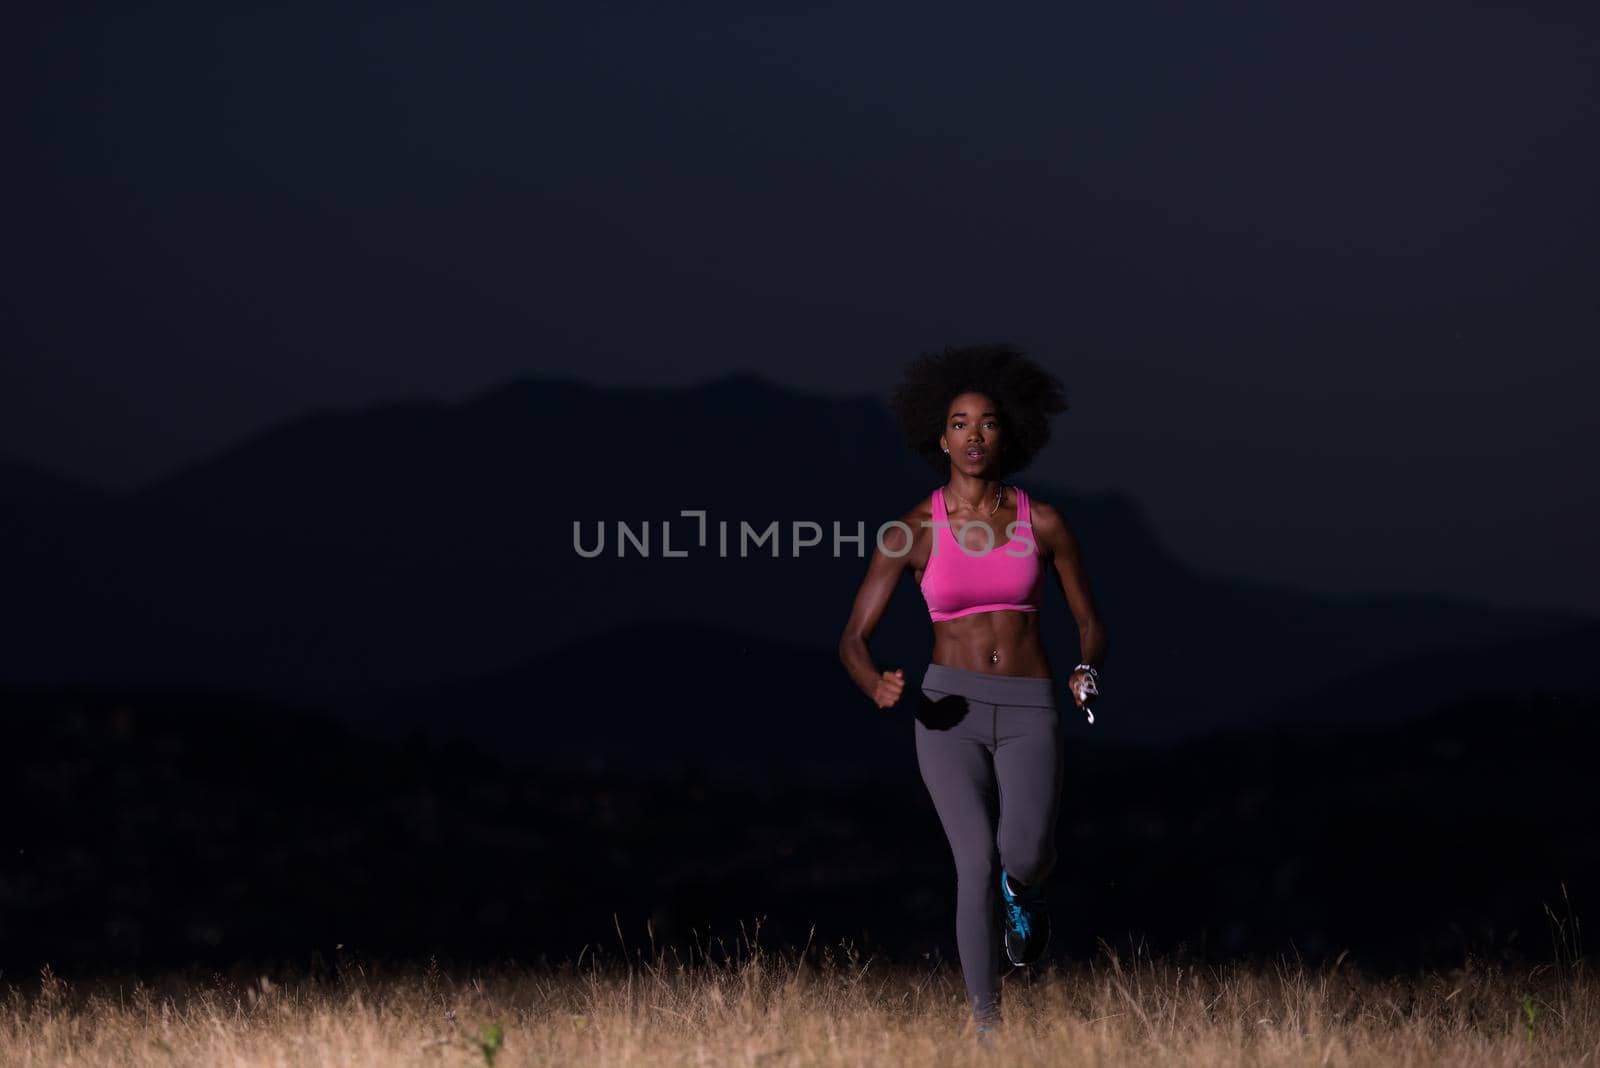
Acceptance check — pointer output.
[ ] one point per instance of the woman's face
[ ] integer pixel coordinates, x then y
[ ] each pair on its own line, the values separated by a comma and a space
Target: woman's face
972, 433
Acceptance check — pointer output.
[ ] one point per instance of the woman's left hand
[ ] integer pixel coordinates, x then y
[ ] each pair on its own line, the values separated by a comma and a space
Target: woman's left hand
1084, 691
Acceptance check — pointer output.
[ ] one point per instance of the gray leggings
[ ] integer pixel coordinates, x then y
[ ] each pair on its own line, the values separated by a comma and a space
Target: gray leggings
989, 750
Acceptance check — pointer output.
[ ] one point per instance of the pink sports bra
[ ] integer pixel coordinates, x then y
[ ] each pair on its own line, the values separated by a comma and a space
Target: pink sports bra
958, 582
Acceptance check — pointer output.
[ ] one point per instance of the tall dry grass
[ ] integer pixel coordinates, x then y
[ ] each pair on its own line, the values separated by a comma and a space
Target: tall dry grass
751, 1005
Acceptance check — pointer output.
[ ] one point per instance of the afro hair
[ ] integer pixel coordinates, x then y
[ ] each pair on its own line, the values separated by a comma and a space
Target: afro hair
1026, 393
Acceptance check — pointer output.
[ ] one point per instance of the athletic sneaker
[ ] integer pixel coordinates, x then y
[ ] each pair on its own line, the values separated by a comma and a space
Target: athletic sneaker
1027, 922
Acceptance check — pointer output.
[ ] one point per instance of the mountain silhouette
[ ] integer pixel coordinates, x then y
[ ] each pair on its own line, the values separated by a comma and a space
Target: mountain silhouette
347, 557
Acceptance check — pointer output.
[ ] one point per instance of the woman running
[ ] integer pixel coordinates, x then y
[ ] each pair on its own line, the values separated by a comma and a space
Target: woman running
987, 727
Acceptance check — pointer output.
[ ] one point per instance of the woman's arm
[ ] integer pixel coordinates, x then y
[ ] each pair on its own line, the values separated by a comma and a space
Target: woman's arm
883, 572
1055, 537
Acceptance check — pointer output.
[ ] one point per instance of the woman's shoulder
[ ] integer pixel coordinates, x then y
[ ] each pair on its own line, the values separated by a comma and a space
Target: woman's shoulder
1048, 521
918, 517
1040, 504
919, 511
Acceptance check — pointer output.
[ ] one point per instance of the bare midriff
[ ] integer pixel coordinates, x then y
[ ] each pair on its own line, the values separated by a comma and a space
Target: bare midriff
995, 643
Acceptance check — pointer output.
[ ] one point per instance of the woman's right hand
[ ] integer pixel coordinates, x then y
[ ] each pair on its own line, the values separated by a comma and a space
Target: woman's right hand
890, 685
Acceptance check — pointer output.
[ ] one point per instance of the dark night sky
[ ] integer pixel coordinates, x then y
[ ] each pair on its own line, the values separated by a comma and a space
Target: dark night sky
1323, 284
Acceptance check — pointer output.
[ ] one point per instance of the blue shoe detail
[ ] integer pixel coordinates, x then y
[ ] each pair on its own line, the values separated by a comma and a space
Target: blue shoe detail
1016, 914
1027, 922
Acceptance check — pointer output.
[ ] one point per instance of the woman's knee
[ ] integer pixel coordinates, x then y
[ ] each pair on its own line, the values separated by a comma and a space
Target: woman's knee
1029, 860
977, 869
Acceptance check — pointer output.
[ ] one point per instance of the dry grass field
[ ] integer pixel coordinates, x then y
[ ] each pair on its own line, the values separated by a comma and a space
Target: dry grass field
751, 1005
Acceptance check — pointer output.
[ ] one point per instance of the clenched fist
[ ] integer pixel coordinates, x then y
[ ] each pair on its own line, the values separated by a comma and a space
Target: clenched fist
890, 685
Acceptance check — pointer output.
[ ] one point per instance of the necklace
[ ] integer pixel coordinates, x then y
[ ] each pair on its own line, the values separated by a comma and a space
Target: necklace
999, 496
